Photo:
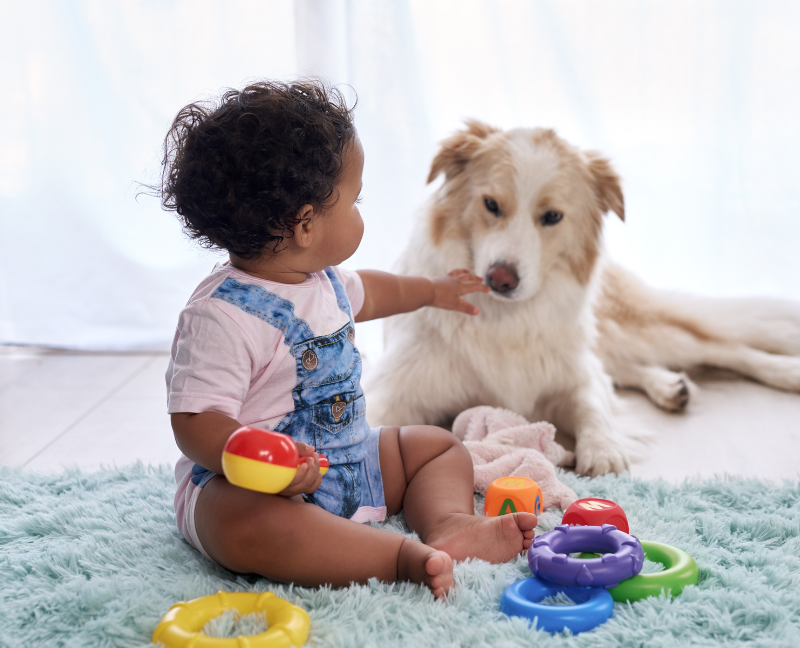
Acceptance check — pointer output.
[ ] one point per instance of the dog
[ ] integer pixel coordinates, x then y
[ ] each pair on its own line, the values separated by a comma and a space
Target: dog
562, 324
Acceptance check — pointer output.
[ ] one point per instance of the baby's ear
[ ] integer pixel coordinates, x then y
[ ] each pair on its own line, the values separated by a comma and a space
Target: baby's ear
606, 184
303, 230
458, 149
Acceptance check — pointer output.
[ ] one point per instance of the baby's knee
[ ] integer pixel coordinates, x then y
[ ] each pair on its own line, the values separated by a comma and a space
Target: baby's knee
432, 437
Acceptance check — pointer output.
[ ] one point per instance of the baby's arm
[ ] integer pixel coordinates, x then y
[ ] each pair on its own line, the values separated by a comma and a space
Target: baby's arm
388, 294
202, 437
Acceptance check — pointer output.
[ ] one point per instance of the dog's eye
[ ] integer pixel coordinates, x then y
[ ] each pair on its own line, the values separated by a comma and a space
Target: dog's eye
552, 217
492, 206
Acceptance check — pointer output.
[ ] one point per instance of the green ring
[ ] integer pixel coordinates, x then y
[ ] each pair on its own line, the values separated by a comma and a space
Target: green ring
680, 570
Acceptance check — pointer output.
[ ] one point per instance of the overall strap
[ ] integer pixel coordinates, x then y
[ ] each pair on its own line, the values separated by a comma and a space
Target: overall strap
267, 306
341, 295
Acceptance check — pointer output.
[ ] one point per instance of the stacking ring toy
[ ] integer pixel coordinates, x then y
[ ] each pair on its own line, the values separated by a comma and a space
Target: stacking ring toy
262, 460
593, 605
680, 570
180, 627
548, 556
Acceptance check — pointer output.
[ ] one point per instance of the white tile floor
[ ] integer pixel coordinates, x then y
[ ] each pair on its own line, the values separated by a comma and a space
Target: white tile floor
83, 409
91, 410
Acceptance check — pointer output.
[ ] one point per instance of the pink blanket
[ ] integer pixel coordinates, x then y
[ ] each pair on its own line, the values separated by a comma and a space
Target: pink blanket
503, 443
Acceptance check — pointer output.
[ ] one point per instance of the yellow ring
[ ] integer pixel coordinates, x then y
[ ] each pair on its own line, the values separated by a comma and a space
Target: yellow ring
180, 627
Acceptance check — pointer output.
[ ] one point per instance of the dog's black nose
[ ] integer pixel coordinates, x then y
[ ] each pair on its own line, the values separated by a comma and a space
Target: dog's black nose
502, 277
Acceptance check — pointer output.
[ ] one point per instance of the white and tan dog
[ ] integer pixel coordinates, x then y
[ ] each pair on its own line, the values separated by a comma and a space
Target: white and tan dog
562, 324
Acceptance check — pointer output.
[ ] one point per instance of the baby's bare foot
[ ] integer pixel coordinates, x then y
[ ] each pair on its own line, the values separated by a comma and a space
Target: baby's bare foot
494, 539
421, 564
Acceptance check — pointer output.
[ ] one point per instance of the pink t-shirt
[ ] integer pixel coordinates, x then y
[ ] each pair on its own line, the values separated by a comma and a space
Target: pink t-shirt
225, 360
228, 361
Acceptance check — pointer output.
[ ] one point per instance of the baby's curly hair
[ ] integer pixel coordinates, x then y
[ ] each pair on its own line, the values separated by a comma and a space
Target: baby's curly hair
238, 170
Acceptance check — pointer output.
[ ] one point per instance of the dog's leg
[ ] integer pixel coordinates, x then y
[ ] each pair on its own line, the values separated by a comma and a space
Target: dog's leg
643, 327
585, 411
597, 449
669, 390
779, 371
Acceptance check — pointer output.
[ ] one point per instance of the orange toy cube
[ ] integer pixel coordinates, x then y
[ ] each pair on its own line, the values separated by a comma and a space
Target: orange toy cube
513, 495
593, 511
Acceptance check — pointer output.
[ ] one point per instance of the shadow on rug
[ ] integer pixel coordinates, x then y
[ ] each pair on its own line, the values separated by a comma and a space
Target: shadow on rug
94, 559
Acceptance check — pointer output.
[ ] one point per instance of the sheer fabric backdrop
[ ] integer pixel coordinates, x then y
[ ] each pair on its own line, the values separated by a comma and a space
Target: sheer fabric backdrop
695, 103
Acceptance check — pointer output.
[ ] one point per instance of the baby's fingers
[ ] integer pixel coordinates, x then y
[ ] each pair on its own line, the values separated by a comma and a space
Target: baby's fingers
464, 276
464, 306
467, 280
303, 449
472, 287
312, 478
299, 482
299, 479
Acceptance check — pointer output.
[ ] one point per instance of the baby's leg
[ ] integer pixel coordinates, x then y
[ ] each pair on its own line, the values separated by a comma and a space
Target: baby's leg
291, 541
427, 473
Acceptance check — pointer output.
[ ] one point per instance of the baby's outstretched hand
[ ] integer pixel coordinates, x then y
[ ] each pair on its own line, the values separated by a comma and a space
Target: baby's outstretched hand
308, 478
447, 291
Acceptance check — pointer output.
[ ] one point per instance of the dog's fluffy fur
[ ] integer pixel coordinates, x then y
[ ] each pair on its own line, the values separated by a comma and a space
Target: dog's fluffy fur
552, 346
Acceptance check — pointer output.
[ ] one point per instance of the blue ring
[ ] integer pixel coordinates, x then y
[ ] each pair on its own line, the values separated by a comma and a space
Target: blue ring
593, 607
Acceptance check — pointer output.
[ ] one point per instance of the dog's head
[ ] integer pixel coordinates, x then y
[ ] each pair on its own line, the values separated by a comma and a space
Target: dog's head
526, 203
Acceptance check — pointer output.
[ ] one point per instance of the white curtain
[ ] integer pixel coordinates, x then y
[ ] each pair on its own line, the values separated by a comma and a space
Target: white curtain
694, 101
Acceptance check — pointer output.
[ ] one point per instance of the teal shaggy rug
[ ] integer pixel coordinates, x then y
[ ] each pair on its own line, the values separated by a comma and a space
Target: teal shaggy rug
94, 559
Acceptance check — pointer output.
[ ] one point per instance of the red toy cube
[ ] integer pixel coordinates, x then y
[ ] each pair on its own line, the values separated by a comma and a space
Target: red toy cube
592, 511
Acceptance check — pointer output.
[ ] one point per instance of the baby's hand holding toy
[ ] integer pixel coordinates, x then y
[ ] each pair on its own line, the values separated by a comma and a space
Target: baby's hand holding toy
449, 290
270, 462
310, 470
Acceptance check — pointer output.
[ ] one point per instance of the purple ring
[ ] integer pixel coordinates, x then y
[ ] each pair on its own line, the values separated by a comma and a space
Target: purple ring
548, 556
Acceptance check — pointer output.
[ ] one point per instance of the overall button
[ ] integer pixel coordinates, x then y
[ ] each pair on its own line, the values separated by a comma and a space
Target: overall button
351, 335
337, 409
309, 360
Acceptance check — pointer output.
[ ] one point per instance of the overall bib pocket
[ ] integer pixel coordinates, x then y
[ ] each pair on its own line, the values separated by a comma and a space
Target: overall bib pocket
335, 413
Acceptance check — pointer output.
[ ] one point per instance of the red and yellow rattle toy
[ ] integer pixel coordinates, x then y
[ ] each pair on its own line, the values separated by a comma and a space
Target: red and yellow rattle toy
262, 460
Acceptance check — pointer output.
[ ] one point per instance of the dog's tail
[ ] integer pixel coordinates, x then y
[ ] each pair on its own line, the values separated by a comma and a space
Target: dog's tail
764, 324
768, 325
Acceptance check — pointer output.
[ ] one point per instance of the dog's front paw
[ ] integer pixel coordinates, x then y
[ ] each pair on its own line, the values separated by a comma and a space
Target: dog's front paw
598, 455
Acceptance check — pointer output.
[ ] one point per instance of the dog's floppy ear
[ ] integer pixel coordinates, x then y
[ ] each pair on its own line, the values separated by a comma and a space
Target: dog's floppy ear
459, 148
606, 182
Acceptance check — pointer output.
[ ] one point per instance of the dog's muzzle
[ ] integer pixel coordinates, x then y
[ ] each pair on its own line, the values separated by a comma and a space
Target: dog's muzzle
502, 278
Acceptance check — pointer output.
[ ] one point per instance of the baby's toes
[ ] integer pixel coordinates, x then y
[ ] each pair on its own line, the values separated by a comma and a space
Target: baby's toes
439, 567
434, 565
525, 521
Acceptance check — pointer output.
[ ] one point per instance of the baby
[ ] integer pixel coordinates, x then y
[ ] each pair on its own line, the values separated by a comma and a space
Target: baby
272, 175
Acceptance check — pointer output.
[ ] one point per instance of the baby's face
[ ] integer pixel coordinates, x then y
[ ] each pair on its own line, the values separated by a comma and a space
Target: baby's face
341, 225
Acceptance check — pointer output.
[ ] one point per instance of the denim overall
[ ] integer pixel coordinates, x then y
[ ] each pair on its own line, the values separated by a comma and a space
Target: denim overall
328, 400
